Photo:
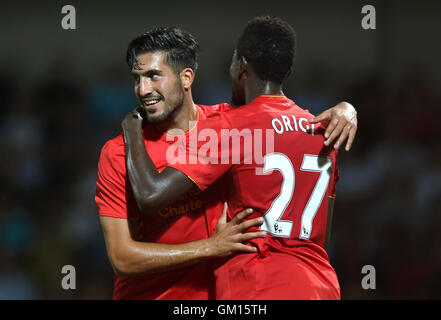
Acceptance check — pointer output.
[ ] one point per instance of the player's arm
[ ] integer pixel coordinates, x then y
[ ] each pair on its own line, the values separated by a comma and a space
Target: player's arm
119, 223
341, 123
152, 190
130, 257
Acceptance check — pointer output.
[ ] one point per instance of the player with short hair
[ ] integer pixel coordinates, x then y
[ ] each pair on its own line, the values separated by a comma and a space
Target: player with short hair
144, 248
162, 255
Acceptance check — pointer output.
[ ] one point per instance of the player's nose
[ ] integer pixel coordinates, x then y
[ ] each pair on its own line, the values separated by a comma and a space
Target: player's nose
145, 86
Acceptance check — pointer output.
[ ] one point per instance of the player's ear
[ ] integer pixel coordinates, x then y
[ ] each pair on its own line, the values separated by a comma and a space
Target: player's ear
243, 67
187, 77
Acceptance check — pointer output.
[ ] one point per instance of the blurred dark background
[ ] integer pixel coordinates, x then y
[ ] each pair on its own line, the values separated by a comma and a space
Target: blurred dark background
63, 93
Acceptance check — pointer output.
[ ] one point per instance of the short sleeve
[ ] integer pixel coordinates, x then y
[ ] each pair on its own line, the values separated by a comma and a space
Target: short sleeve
207, 158
111, 195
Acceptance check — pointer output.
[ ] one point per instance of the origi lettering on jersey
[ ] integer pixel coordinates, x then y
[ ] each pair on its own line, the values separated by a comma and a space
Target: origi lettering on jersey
284, 125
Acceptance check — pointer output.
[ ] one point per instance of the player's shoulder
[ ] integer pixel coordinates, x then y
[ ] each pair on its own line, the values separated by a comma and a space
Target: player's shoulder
212, 116
292, 107
111, 163
113, 147
300, 112
263, 107
210, 109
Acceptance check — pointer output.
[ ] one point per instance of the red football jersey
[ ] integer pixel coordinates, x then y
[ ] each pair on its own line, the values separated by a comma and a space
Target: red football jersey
182, 221
272, 160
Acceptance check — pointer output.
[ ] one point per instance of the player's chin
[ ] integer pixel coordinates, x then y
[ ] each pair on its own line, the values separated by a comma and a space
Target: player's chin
155, 115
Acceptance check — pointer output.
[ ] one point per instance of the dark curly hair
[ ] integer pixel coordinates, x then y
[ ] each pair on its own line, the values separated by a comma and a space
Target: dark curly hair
268, 44
181, 47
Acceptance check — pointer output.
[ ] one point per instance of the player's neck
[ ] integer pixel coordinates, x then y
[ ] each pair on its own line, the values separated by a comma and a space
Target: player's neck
255, 88
182, 118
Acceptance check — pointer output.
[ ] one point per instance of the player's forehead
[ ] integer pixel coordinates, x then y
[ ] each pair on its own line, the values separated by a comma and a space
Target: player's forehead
150, 61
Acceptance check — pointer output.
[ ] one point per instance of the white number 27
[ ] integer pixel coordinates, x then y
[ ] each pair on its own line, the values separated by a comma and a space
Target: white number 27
278, 161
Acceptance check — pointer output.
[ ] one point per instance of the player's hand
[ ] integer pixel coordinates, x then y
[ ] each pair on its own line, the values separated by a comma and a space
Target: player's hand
133, 120
229, 237
341, 122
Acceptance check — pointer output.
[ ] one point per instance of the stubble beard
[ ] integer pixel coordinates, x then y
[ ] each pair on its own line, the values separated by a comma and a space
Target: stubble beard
166, 114
170, 108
